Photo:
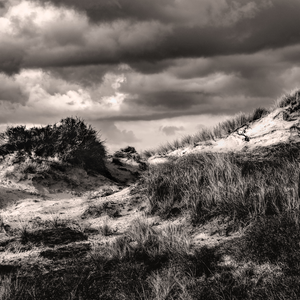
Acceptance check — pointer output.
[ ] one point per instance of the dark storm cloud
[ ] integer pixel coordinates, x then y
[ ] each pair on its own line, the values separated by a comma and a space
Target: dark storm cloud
108, 10
141, 33
223, 106
228, 27
151, 67
11, 56
85, 75
170, 130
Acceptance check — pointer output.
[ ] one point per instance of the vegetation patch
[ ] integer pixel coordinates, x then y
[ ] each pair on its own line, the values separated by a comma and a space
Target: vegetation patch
106, 208
275, 239
53, 236
70, 141
69, 251
209, 185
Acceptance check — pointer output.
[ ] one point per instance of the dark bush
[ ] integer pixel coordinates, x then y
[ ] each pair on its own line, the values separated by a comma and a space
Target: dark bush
71, 140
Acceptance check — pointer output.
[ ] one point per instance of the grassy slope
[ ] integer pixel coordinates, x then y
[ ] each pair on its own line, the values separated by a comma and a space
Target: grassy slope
225, 128
257, 197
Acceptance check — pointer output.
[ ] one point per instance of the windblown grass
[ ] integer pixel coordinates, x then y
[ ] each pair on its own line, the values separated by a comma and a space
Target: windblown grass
223, 129
211, 185
291, 98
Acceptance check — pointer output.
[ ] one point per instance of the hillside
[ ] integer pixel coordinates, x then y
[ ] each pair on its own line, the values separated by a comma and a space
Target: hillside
213, 216
244, 133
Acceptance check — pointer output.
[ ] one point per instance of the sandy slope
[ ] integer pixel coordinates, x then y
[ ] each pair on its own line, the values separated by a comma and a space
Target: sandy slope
280, 126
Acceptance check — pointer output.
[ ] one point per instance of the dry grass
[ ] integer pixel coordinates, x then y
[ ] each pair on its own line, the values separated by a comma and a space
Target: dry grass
291, 98
212, 185
151, 263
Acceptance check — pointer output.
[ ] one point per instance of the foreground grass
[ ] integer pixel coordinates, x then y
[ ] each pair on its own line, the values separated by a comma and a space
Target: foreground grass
209, 185
151, 263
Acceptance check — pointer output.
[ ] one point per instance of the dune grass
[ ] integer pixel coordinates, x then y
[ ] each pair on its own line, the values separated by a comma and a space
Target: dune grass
258, 191
226, 127
209, 185
223, 129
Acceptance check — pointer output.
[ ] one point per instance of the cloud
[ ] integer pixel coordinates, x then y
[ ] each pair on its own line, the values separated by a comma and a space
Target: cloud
170, 130
11, 91
35, 35
120, 61
114, 135
187, 12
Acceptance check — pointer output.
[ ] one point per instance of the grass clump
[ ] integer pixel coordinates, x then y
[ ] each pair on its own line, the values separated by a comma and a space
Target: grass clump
287, 99
105, 229
143, 242
97, 210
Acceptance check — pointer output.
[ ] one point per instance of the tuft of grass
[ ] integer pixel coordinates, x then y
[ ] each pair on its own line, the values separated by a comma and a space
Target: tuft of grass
96, 211
187, 140
259, 112
148, 153
143, 242
105, 229
291, 98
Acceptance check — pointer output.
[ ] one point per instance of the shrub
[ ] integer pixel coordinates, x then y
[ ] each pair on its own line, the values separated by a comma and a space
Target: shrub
71, 141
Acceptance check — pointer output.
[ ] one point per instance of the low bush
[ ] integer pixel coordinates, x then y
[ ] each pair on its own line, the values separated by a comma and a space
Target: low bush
71, 141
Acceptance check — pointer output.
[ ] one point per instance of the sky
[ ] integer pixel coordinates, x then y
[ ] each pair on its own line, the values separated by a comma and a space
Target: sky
144, 72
